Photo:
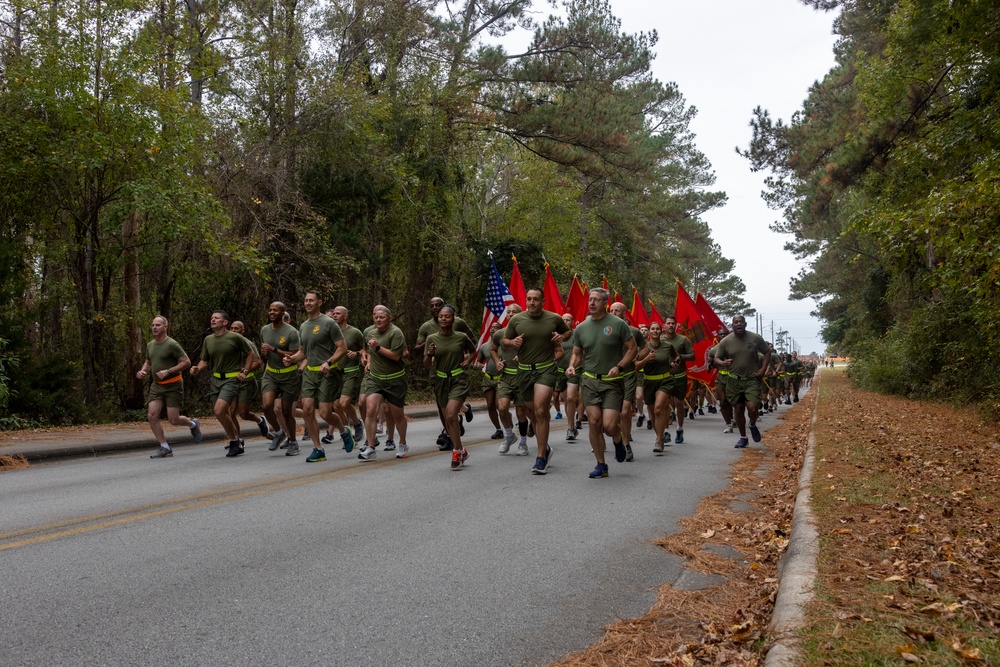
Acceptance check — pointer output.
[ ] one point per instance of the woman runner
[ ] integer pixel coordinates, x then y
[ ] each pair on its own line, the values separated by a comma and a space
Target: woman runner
448, 353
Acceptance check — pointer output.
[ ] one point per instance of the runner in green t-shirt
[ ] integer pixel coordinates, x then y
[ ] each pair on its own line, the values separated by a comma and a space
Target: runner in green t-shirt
229, 358
249, 389
604, 343
505, 358
281, 384
385, 347
537, 334
570, 385
491, 378
447, 354
349, 393
426, 329
738, 354
630, 380
164, 363
322, 348
678, 371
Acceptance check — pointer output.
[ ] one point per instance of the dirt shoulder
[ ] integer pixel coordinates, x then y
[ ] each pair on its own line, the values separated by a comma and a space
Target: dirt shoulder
909, 566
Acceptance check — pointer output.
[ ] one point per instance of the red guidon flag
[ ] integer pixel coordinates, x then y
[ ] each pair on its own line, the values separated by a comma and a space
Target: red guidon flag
517, 285
576, 301
714, 323
654, 314
552, 297
691, 324
638, 313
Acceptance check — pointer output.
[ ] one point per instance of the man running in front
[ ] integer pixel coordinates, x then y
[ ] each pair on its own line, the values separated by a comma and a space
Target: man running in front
605, 344
165, 361
737, 353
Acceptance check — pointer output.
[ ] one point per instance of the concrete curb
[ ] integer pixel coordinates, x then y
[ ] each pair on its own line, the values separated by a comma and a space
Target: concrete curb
797, 569
50, 452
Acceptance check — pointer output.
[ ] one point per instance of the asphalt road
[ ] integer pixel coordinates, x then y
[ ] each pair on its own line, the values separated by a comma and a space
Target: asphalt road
266, 560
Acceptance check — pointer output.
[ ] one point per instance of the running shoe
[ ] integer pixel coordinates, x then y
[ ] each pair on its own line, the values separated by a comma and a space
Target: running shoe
327, 439
741, 443
262, 425
465, 456
390, 445
712, 409
531, 430
468, 412
701, 412
277, 441
196, 435
445, 445
367, 453
359, 431
680, 436
558, 415
235, 448
640, 420
585, 419
522, 449
162, 453
754, 432
316, 456
628, 454
600, 471
456, 459
649, 425
379, 428
658, 447
461, 427
796, 399
508, 441
403, 450
442, 438
571, 434
620, 452
292, 449
728, 429
539, 468
497, 435
348, 439
579, 424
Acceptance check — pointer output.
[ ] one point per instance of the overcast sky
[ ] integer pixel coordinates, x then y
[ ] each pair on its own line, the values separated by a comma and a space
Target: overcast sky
727, 57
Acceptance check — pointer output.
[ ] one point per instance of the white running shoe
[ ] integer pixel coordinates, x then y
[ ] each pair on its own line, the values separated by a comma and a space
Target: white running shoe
402, 450
367, 453
508, 441
522, 449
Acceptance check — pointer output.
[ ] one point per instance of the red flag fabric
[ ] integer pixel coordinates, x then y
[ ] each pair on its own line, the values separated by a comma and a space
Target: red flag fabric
576, 301
618, 298
654, 314
517, 285
608, 290
638, 312
714, 323
553, 298
690, 323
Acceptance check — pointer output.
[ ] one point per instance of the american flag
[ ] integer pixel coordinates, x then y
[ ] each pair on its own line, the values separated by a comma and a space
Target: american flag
498, 298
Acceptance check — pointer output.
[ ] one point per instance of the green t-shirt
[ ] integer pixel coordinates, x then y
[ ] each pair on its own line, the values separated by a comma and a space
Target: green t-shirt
284, 339
393, 340
659, 357
640, 342
355, 343
743, 351
537, 346
319, 338
603, 342
225, 353
507, 353
484, 356
449, 350
431, 327
163, 355
682, 345
567, 348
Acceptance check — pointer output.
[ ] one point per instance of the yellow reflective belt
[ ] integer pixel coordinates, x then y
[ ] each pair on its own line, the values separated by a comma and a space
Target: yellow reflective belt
510, 371
679, 375
390, 376
658, 377
452, 373
352, 369
286, 369
534, 367
603, 378
225, 376
492, 377
316, 369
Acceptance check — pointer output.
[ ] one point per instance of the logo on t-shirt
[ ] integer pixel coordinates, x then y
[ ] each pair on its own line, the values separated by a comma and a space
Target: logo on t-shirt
281, 341
316, 329
607, 330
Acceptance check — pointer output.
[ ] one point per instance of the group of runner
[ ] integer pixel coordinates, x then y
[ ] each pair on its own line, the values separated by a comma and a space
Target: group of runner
604, 370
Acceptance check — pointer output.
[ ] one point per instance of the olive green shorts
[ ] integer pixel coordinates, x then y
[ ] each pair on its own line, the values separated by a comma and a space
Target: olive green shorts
286, 386
527, 379
454, 388
629, 385
249, 390
394, 390
490, 382
507, 387
352, 385
224, 389
607, 394
172, 395
320, 387
743, 390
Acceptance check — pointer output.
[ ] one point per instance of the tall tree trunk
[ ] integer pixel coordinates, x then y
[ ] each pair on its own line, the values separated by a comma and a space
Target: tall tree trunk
133, 331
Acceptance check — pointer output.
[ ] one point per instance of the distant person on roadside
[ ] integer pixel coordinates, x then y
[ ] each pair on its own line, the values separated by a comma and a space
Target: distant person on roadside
737, 353
165, 362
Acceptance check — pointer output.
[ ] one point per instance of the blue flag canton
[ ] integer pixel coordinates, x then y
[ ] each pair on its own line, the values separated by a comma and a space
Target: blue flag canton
496, 291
